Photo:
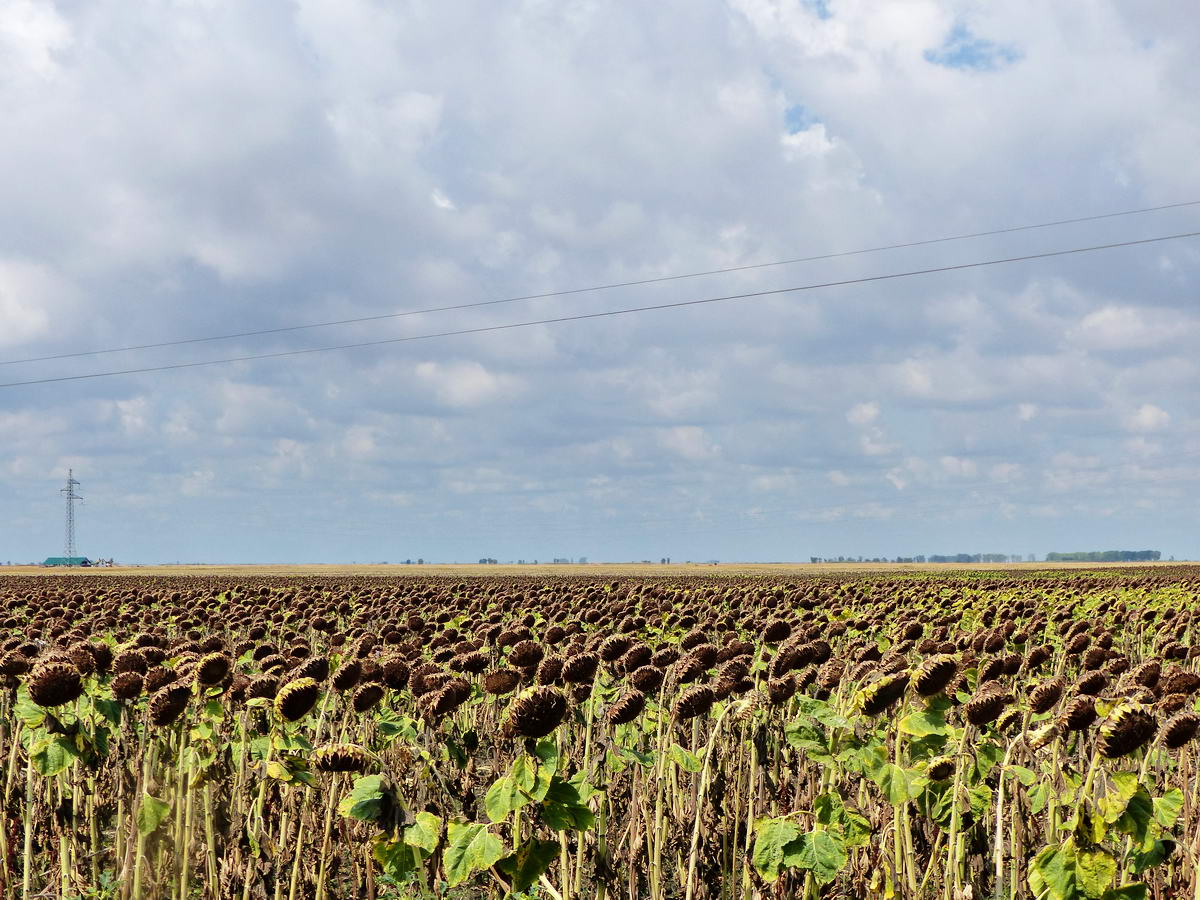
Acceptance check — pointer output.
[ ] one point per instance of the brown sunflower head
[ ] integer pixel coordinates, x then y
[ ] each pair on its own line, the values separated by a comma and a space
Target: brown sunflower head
341, 758
296, 698
986, 706
1127, 728
580, 668
1043, 697
168, 703
127, 685
695, 701
934, 674
536, 712
549, 670
501, 681
879, 695
1079, 714
347, 675
314, 667
647, 679
395, 673
13, 663
212, 668
628, 708
1091, 683
54, 683
781, 690
367, 696
1180, 730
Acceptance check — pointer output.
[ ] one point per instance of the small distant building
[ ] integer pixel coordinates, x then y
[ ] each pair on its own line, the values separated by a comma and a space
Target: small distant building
78, 561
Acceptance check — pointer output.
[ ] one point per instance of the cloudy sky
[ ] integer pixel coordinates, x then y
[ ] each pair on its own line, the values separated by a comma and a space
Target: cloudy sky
175, 170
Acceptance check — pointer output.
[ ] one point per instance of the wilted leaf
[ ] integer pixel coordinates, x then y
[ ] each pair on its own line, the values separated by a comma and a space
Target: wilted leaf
822, 851
1167, 807
923, 723
1095, 870
470, 848
685, 759
150, 814
53, 755
770, 837
527, 864
424, 833
365, 800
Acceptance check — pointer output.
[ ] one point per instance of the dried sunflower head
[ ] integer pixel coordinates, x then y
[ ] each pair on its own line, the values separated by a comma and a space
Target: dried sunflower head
501, 681
1127, 728
366, 696
341, 758
212, 668
781, 690
127, 685
296, 698
347, 675
628, 708
1043, 697
1180, 730
168, 703
580, 668
695, 701
1091, 683
549, 670
986, 706
647, 679
1079, 713
54, 683
14, 663
536, 712
879, 695
934, 674
314, 667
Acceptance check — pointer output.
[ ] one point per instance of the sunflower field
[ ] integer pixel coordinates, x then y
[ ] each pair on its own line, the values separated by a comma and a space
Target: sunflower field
726, 737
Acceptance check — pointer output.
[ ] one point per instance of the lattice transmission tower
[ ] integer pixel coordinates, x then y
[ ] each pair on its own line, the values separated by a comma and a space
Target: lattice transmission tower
69, 531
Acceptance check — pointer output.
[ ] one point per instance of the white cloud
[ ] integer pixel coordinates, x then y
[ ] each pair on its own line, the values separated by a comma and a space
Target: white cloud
34, 301
957, 467
688, 441
1005, 472
198, 483
1129, 328
31, 36
467, 384
863, 413
1147, 418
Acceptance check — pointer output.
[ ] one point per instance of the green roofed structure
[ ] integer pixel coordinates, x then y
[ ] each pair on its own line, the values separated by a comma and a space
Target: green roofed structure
67, 561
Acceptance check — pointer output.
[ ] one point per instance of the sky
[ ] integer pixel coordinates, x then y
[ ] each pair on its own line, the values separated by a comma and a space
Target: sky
178, 170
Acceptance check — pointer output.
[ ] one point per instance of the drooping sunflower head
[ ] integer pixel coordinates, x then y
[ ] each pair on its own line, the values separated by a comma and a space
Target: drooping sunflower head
536, 712
296, 698
1127, 728
341, 758
55, 683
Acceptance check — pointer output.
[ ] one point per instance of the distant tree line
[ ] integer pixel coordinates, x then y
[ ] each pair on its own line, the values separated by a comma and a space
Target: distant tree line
935, 558
1106, 556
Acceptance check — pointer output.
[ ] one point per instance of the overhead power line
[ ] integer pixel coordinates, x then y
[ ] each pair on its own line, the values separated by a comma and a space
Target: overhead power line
679, 304
602, 287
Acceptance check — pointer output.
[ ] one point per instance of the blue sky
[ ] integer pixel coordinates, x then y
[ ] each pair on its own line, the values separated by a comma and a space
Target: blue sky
178, 170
